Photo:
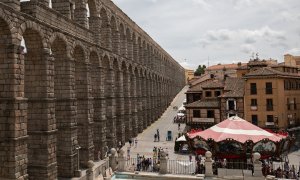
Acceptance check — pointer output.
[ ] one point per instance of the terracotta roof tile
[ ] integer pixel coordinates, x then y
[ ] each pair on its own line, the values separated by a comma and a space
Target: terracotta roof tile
205, 103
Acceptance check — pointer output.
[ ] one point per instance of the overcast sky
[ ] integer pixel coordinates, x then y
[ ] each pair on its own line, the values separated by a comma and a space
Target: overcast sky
223, 31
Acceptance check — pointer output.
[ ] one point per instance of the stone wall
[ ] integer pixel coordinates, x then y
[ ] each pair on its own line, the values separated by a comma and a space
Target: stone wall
82, 80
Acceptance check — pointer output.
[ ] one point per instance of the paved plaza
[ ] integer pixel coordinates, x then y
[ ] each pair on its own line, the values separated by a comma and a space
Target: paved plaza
164, 123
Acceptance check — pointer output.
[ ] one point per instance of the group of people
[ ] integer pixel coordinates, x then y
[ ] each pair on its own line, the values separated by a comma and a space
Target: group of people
144, 164
179, 119
286, 171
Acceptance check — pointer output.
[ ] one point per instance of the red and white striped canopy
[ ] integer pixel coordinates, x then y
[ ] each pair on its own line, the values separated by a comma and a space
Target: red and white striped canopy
235, 128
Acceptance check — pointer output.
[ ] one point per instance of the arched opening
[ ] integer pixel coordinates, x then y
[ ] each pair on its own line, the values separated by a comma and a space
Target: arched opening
115, 36
35, 90
105, 30
140, 51
123, 41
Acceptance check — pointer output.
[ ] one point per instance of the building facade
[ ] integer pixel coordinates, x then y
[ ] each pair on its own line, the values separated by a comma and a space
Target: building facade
214, 100
85, 80
189, 74
272, 97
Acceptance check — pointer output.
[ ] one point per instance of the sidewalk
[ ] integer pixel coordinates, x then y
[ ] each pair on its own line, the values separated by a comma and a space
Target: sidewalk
165, 123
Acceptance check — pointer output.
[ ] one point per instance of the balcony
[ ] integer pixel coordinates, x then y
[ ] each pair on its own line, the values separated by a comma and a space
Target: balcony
270, 123
253, 108
204, 120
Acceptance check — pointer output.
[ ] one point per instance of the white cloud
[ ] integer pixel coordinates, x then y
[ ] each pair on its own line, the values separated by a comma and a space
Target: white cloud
223, 30
294, 51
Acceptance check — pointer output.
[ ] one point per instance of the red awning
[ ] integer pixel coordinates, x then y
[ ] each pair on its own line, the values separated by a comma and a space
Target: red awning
235, 128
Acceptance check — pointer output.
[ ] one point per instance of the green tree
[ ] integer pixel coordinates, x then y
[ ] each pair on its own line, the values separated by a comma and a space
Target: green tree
200, 70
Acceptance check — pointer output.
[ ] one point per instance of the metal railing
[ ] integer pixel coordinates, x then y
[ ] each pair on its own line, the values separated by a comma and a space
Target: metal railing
181, 167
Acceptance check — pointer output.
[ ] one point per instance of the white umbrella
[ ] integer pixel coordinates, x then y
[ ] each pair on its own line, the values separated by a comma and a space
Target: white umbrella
181, 139
180, 114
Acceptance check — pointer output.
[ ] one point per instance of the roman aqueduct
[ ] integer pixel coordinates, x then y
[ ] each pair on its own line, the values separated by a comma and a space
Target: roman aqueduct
87, 76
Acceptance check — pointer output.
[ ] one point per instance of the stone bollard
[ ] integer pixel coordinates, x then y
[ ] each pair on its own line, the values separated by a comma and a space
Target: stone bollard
112, 159
163, 167
121, 161
208, 164
90, 172
257, 166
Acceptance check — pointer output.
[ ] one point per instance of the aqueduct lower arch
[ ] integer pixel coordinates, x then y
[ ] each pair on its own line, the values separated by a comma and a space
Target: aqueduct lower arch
81, 80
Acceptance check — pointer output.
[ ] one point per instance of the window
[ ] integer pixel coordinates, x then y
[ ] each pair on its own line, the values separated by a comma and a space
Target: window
231, 105
210, 113
269, 104
253, 88
253, 102
197, 97
230, 115
217, 93
269, 88
196, 113
295, 104
207, 93
270, 118
288, 104
254, 120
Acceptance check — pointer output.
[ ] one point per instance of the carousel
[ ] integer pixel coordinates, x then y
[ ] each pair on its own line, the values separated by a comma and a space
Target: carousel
236, 138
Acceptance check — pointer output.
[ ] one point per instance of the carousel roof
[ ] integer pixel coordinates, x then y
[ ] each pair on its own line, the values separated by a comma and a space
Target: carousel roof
238, 129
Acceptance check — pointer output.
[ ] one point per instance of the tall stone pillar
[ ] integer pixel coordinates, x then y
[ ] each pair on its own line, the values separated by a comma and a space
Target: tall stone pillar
123, 41
95, 26
144, 102
13, 115
127, 107
85, 112
65, 114
99, 112
134, 115
12, 3
148, 100
63, 7
119, 95
139, 103
41, 124
80, 14
110, 108
129, 46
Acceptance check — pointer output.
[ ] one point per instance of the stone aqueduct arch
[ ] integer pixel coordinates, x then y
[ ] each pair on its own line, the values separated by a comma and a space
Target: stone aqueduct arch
83, 81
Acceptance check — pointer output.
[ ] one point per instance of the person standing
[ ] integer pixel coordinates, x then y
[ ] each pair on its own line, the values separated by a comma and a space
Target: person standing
136, 141
190, 156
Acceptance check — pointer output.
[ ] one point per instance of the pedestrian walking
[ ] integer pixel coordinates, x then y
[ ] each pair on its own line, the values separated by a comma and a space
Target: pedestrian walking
136, 141
130, 142
128, 153
178, 126
155, 137
158, 137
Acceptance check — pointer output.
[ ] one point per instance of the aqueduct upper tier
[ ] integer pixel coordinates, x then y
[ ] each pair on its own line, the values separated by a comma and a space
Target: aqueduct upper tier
86, 75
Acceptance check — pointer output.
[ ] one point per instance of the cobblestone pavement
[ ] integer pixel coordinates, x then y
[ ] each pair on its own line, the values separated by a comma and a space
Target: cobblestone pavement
145, 140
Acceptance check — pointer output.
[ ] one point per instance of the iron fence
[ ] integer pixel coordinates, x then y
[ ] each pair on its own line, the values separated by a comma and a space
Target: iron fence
181, 167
